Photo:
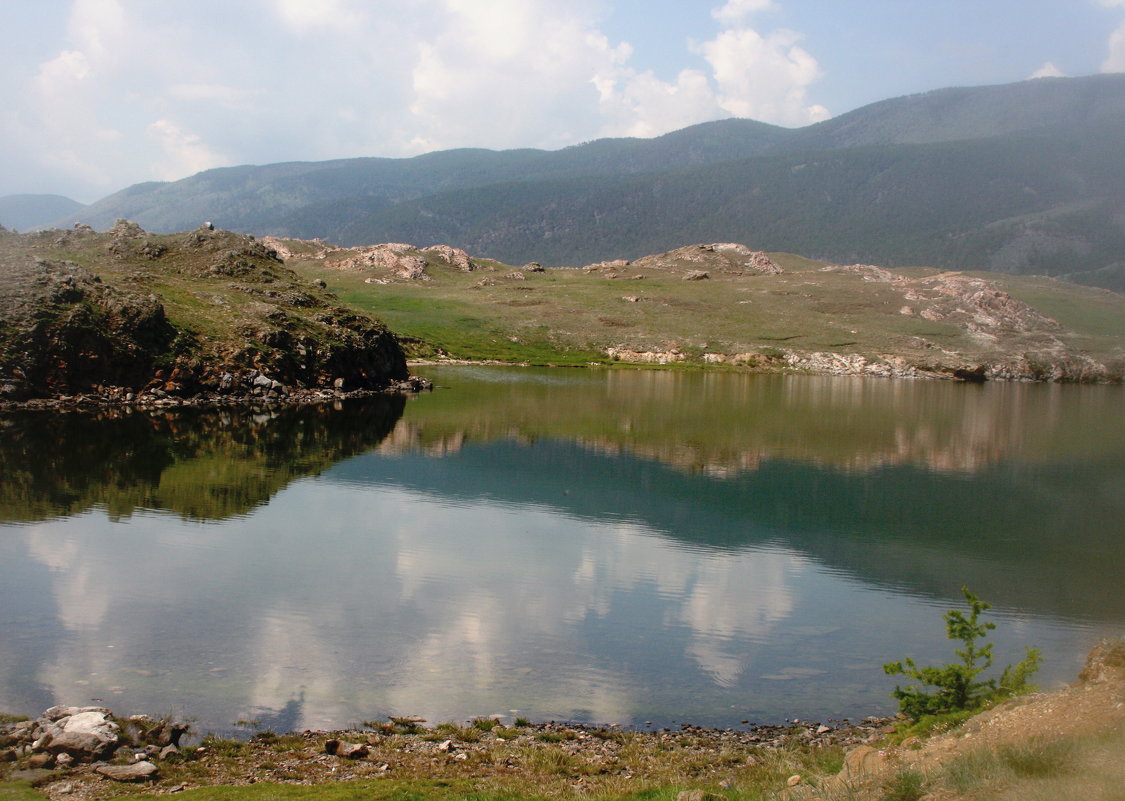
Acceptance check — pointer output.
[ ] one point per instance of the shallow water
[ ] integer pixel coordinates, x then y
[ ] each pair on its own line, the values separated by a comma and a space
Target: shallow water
589, 545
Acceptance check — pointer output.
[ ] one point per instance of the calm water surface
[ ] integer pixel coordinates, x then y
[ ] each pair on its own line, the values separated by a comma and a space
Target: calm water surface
604, 546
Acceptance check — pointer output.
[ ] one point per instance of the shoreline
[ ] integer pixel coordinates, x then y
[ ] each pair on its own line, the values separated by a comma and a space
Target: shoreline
120, 398
482, 750
210, 400
829, 364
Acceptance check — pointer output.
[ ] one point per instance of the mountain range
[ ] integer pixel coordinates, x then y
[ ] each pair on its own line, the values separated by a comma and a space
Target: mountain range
1019, 178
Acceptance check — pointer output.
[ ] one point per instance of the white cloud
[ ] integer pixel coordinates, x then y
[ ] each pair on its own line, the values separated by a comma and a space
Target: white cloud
185, 153
309, 16
517, 72
735, 11
764, 77
229, 97
1115, 61
1048, 70
760, 77
643, 105
69, 65
99, 28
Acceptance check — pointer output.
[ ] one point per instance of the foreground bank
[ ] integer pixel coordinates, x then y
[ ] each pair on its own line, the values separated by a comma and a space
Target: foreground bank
1066, 744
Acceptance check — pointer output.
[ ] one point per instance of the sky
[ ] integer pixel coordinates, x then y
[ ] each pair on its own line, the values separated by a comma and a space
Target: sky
96, 95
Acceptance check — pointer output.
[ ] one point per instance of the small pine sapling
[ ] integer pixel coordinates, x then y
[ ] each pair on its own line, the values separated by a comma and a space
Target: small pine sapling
956, 683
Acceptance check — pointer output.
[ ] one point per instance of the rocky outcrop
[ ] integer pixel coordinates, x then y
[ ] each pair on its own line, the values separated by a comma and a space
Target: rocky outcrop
63, 330
454, 257
396, 260
176, 316
1105, 664
729, 257
400, 260
975, 303
68, 738
645, 356
613, 264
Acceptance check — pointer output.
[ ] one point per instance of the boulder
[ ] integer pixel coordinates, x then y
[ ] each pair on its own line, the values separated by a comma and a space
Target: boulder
40, 761
346, 750
85, 733
138, 771
862, 761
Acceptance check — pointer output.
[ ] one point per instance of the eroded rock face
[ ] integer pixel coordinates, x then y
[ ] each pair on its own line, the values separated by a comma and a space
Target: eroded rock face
67, 331
63, 330
645, 357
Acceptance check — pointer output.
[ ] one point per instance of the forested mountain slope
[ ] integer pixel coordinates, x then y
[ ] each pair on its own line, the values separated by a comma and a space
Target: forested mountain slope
1022, 178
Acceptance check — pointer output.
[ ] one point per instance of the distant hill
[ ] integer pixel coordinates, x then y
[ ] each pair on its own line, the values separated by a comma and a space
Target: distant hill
1045, 106
1021, 178
22, 212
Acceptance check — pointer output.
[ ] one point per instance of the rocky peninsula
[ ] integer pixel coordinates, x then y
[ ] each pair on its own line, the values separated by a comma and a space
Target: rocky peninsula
206, 316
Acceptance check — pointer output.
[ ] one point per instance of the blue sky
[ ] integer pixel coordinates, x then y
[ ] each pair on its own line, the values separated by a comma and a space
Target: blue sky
99, 94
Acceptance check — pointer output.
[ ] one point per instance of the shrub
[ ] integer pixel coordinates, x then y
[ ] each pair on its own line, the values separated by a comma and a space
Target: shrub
957, 685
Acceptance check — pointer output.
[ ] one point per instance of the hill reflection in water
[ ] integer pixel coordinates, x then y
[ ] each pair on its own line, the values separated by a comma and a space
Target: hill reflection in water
595, 545
202, 464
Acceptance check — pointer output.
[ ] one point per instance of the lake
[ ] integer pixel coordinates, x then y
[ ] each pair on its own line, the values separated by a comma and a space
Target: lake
607, 546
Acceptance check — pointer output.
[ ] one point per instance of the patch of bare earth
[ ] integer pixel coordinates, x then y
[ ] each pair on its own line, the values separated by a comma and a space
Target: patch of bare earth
1055, 746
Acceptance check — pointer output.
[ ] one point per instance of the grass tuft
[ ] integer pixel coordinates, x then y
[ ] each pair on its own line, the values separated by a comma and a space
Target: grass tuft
904, 785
